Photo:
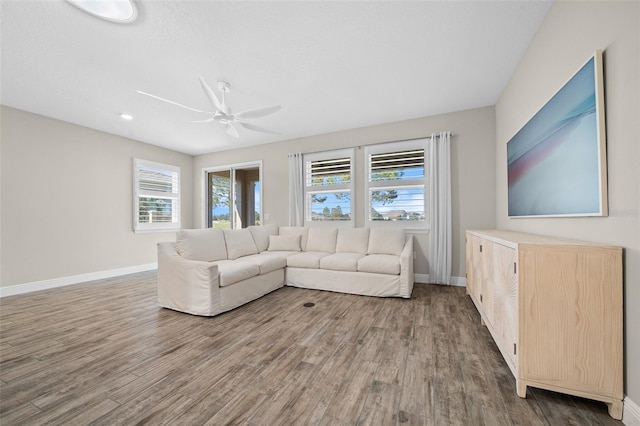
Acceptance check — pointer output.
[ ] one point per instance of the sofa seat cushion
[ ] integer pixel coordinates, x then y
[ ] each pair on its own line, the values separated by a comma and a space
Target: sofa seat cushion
380, 264
233, 271
341, 261
267, 262
309, 259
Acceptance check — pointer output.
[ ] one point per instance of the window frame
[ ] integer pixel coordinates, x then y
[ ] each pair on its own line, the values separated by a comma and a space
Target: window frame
350, 187
174, 225
416, 226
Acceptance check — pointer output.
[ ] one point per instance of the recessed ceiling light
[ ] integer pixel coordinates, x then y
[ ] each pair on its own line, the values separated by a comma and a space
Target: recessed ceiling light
126, 116
120, 11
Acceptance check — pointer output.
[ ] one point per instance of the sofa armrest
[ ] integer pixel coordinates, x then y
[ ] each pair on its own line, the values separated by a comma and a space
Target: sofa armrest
406, 268
186, 285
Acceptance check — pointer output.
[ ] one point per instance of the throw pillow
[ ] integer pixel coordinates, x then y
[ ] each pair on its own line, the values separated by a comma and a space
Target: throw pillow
261, 234
295, 230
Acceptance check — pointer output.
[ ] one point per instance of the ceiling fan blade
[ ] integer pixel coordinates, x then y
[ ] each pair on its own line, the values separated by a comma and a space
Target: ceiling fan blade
172, 102
257, 113
256, 128
232, 131
212, 97
208, 120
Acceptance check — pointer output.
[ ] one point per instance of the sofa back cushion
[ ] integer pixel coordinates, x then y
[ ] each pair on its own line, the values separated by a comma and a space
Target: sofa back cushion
295, 230
239, 243
206, 245
261, 234
322, 239
352, 240
386, 241
284, 242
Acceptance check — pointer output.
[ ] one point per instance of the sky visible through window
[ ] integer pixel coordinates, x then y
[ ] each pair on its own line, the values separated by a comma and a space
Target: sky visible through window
224, 209
395, 204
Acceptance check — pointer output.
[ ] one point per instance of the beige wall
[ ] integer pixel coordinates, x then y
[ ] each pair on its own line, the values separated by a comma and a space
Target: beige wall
67, 199
473, 162
571, 32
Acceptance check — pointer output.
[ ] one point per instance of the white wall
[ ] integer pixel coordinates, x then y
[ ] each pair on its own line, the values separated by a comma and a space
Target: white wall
473, 162
67, 197
571, 32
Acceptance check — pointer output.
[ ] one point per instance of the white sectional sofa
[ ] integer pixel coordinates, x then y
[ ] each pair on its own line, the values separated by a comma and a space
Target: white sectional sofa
210, 271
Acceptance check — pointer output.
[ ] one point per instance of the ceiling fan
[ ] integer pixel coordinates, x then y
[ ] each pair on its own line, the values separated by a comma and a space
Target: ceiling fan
222, 113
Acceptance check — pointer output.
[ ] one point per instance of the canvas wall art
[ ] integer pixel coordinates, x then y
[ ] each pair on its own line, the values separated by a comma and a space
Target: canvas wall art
557, 161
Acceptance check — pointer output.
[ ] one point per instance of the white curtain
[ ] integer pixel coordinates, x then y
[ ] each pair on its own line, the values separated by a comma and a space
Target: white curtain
296, 190
439, 153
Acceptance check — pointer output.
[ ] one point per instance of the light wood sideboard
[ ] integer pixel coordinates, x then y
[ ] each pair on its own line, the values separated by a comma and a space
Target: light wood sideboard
554, 309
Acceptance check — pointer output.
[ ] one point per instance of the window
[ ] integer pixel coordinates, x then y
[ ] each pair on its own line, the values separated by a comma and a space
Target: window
395, 184
328, 186
156, 190
233, 195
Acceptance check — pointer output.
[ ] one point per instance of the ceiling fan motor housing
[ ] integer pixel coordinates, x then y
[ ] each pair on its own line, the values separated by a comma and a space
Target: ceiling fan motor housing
224, 87
222, 113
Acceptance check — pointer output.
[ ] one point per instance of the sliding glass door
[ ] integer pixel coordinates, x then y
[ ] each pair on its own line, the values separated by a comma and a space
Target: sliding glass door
219, 199
233, 196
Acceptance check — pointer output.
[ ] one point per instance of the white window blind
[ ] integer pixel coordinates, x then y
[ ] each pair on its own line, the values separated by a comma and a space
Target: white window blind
156, 196
328, 186
329, 172
395, 183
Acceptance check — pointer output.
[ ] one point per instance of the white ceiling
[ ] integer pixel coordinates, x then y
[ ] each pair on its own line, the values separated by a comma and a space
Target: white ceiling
331, 65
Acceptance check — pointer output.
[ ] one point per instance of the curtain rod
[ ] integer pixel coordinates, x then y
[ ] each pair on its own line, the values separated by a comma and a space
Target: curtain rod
437, 135
379, 143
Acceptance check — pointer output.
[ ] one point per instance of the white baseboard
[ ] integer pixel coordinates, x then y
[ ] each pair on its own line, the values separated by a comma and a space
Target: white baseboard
92, 276
12, 290
455, 281
421, 278
630, 413
459, 281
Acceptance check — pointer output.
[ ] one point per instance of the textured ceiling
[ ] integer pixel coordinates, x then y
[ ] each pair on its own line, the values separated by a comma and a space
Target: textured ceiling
331, 65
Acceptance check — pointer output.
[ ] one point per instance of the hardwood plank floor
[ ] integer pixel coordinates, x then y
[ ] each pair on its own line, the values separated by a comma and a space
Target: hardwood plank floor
104, 353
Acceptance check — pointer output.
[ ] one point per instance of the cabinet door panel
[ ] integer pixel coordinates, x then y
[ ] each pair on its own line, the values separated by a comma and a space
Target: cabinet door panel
476, 266
573, 305
505, 292
487, 295
471, 275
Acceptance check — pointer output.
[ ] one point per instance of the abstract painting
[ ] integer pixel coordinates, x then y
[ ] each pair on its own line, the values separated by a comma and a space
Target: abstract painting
557, 161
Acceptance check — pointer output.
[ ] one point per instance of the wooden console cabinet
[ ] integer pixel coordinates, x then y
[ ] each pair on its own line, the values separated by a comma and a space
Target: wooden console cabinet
554, 309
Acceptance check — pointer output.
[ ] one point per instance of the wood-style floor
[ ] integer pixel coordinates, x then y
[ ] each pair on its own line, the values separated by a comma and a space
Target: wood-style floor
104, 353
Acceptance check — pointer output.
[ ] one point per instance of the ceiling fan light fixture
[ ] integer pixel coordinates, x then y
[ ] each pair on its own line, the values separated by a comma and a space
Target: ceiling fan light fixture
222, 113
119, 11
